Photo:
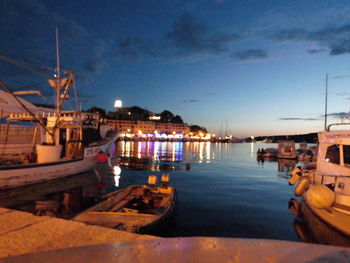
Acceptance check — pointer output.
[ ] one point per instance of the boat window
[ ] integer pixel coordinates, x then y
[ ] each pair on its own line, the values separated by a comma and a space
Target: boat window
332, 154
346, 151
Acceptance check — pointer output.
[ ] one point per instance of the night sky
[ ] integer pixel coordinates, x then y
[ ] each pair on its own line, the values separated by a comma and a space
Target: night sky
248, 67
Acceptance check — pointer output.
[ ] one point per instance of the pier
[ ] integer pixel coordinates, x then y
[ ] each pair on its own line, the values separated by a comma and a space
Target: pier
22, 233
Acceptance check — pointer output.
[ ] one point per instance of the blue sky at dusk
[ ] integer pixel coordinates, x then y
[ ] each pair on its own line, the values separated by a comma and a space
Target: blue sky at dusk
258, 66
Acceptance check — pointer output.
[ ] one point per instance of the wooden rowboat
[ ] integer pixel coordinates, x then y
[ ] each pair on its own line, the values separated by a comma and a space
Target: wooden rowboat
135, 208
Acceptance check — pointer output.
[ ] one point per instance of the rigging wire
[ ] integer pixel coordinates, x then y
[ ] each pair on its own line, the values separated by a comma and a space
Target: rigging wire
32, 67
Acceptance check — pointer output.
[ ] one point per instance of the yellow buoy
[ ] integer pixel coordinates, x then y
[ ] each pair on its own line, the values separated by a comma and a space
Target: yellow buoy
152, 180
165, 178
295, 178
296, 170
320, 196
302, 186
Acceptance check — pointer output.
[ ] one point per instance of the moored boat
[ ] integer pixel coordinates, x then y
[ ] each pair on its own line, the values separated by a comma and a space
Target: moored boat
286, 150
267, 153
136, 208
326, 189
62, 142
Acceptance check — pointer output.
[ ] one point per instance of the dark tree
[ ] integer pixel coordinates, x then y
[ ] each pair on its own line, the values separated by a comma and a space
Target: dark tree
101, 111
166, 116
177, 119
197, 128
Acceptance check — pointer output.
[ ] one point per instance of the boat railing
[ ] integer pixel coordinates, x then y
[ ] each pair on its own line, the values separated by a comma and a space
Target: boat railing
333, 178
337, 124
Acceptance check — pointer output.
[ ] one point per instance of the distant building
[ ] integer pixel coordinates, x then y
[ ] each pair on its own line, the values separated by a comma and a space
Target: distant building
147, 128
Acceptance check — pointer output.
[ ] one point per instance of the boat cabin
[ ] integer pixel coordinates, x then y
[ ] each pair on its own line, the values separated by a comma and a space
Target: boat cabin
56, 138
286, 150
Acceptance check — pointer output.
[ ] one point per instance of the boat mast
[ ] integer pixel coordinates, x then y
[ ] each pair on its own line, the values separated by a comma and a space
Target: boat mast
58, 78
325, 108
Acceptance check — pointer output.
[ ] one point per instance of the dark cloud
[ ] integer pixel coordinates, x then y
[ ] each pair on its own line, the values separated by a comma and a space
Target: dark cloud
316, 51
189, 101
340, 48
298, 119
190, 35
250, 54
135, 47
290, 35
342, 94
29, 36
336, 38
339, 115
339, 77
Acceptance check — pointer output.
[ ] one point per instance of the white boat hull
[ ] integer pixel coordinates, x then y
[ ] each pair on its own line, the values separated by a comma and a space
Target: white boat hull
18, 175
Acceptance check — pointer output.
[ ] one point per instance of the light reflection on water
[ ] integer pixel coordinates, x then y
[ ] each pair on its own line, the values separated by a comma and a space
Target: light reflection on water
165, 151
227, 192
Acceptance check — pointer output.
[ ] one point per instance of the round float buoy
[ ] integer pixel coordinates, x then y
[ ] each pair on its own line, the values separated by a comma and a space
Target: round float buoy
302, 186
152, 180
295, 178
296, 170
102, 157
320, 196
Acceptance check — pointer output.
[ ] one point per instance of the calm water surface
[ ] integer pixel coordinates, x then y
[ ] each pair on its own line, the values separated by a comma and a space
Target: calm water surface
226, 193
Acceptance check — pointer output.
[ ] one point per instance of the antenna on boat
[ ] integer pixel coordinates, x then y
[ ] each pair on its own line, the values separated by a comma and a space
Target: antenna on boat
325, 108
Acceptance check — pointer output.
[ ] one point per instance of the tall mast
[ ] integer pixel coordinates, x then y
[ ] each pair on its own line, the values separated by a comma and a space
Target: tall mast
325, 106
58, 77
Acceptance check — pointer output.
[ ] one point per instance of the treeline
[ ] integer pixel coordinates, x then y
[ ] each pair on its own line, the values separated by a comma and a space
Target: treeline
309, 138
136, 113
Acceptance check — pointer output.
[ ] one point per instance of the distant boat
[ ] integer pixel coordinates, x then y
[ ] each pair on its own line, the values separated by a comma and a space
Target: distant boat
267, 153
326, 189
286, 150
136, 208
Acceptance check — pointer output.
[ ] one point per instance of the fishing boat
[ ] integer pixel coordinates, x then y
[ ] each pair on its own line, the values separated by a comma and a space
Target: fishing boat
326, 189
136, 208
63, 142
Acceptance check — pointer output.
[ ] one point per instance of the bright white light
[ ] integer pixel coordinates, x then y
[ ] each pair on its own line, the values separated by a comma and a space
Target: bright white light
117, 170
118, 104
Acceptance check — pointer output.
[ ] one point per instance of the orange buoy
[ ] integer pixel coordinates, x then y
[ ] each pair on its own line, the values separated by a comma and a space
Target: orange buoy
102, 157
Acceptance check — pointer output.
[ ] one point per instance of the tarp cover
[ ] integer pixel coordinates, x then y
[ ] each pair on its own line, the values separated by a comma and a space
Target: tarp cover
9, 105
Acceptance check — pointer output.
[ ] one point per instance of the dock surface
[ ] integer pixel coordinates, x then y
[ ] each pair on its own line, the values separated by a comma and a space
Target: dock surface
22, 233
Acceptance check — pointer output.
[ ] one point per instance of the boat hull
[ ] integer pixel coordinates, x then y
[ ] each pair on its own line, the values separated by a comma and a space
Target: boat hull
18, 175
336, 219
115, 212
35, 173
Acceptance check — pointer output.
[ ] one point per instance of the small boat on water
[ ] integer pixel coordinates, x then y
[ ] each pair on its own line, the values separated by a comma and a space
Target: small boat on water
326, 189
267, 153
136, 208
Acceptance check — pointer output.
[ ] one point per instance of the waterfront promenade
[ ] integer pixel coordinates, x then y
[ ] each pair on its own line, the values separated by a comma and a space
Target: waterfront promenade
22, 233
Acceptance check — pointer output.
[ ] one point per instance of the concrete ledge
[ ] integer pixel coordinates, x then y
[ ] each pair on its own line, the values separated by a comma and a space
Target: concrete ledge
22, 233
197, 249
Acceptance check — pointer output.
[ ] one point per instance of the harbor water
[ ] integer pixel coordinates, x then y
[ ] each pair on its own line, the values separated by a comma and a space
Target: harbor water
225, 191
